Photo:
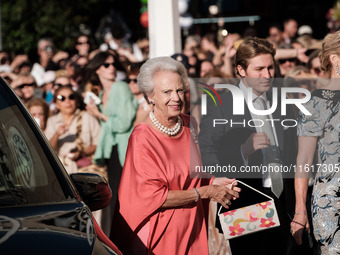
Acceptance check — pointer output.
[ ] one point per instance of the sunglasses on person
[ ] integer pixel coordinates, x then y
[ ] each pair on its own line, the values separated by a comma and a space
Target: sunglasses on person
26, 84
106, 65
130, 80
282, 61
317, 70
63, 98
81, 43
58, 85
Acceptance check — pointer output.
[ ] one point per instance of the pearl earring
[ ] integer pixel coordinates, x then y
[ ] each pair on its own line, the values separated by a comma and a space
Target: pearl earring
337, 70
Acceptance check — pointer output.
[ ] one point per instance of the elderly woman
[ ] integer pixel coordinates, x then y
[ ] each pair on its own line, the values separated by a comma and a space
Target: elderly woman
164, 207
71, 123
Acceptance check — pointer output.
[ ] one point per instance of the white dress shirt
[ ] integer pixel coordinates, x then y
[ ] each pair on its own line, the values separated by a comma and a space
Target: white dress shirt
266, 181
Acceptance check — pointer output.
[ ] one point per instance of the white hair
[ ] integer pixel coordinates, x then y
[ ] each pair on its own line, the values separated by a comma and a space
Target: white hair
152, 66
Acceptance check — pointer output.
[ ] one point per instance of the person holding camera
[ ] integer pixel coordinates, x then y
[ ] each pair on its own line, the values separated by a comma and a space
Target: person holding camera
49, 59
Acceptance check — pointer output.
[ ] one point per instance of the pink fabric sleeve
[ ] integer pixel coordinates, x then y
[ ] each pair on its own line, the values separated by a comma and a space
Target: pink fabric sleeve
144, 187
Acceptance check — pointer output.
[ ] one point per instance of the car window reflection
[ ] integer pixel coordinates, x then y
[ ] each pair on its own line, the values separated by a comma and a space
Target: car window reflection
26, 175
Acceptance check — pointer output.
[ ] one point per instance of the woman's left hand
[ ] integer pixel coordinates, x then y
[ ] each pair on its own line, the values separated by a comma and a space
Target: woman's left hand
226, 182
74, 154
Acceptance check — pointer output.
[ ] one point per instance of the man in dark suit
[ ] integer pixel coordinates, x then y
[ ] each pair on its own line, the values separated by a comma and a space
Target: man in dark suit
242, 142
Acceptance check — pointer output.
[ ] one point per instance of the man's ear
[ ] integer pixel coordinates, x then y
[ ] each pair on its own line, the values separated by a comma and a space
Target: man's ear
241, 71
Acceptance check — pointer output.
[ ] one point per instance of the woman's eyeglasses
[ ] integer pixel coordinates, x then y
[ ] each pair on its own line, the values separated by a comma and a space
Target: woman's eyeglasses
130, 80
106, 65
58, 85
282, 61
317, 70
81, 43
63, 98
26, 84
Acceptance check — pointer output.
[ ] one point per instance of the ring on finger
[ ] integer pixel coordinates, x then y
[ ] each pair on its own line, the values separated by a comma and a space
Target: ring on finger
226, 201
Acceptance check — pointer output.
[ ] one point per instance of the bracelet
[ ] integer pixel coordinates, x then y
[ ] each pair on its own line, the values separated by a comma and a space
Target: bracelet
297, 213
198, 197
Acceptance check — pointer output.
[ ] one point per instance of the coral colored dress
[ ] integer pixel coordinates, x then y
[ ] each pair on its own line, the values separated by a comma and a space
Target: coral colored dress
154, 165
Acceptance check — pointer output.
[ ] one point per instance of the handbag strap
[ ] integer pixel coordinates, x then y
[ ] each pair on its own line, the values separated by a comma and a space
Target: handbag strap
231, 186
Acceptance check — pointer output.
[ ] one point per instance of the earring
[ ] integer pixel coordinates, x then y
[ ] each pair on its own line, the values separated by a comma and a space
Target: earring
337, 70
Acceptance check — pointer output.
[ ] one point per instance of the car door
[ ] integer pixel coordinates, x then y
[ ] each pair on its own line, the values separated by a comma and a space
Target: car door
40, 209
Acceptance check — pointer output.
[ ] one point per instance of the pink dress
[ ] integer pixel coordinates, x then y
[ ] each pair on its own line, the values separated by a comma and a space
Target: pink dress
154, 165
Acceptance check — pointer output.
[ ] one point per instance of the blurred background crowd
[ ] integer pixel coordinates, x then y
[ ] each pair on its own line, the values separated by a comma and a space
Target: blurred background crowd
52, 79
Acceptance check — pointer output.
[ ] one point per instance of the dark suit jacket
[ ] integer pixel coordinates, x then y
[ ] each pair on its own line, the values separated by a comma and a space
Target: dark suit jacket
222, 145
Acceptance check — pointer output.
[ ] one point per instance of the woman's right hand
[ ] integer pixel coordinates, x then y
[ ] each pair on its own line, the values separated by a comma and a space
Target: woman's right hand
220, 194
61, 130
297, 226
92, 109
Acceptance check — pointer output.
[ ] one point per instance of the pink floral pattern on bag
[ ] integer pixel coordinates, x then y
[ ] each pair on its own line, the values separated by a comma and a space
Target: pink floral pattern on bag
229, 212
264, 204
236, 230
266, 223
249, 219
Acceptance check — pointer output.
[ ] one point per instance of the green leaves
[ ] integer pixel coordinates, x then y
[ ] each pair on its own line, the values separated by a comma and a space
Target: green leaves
24, 22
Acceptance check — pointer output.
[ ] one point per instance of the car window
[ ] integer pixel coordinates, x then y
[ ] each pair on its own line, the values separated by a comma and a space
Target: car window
26, 175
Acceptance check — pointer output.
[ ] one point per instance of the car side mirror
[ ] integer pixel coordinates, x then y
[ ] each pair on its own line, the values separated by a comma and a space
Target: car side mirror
93, 189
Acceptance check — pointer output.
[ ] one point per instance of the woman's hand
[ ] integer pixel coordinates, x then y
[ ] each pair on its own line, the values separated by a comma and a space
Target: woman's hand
219, 193
61, 130
299, 223
226, 182
74, 154
92, 109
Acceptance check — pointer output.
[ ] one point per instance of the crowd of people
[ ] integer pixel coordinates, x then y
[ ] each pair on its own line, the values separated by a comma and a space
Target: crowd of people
113, 106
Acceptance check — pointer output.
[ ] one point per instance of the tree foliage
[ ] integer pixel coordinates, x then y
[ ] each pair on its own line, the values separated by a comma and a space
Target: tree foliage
24, 22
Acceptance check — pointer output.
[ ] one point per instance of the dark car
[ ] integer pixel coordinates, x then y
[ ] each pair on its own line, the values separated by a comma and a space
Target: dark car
43, 210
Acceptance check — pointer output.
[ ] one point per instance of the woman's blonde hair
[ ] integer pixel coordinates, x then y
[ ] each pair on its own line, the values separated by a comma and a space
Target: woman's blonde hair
330, 45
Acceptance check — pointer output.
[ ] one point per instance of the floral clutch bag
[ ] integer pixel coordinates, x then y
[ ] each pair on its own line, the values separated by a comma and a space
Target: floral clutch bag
249, 219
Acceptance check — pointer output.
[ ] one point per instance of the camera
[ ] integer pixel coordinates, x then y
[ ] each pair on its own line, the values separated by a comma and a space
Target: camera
48, 48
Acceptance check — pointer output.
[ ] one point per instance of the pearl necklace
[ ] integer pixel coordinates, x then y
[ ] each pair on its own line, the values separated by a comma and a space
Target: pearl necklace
169, 131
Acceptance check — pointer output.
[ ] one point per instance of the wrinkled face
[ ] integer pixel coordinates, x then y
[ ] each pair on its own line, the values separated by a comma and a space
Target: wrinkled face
66, 101
168, 95
107, 71
37, 112
259, 73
